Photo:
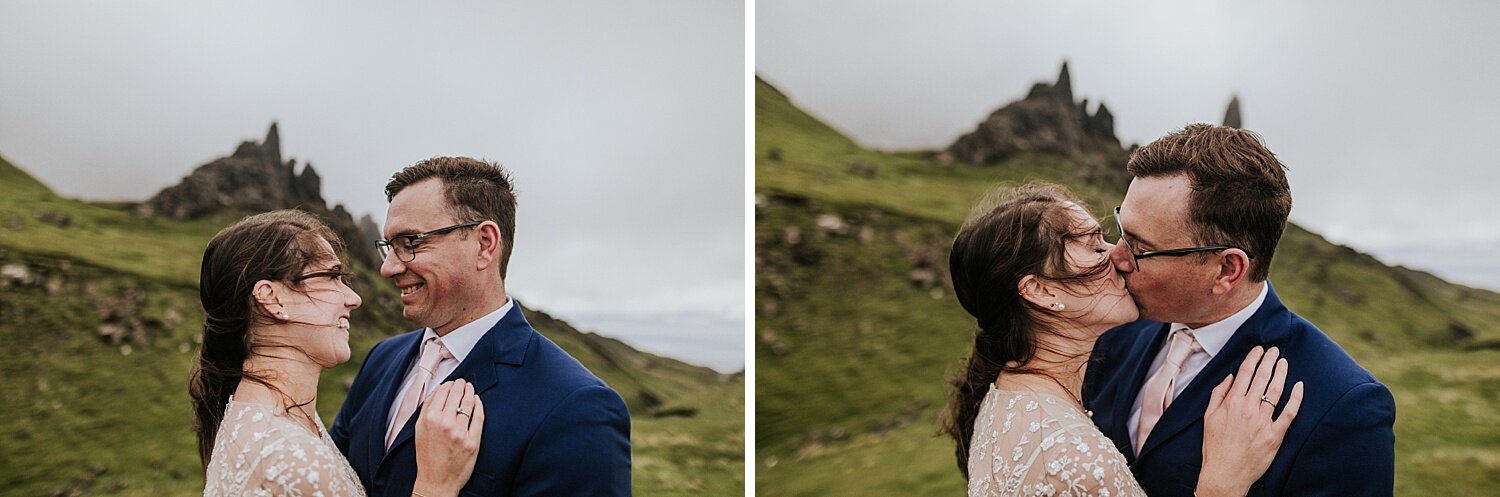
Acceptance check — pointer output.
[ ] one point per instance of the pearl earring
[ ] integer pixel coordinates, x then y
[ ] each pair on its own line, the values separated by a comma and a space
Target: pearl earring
282, 315
1058, 306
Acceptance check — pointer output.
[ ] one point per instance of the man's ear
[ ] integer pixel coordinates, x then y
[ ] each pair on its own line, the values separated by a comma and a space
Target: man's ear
1034, 290
1234, 267
265, 295
490, 245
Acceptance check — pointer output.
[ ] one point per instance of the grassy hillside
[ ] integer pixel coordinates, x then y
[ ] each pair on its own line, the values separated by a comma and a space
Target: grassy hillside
856, 330
99, 317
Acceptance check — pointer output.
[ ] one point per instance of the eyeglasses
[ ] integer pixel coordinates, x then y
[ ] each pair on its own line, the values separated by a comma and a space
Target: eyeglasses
405, 246
1135, 257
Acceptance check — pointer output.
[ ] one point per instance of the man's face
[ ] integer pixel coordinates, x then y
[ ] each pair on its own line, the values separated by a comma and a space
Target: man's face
1155, 216
435, 285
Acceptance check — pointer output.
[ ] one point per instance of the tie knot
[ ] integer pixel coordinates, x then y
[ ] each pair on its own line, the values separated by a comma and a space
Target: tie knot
1183, 345
433, 352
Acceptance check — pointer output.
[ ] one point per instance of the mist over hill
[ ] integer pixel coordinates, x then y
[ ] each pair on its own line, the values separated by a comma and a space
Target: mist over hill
857, 329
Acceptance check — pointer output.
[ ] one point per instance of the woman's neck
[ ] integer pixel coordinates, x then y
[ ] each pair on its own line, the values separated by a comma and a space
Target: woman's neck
291, 381
1062, 357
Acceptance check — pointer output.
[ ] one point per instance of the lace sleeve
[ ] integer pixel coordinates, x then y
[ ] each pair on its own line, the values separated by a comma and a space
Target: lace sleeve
1038, 445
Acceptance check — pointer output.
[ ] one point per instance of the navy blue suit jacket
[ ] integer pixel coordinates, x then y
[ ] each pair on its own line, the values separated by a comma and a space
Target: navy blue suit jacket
551, 427
1341, 443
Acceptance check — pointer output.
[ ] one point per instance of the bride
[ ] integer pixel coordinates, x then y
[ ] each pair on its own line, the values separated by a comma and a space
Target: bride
1032, 267
277, 306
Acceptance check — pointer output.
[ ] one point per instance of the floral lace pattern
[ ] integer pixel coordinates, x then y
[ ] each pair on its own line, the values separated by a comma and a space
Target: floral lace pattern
260, 451
1036, 444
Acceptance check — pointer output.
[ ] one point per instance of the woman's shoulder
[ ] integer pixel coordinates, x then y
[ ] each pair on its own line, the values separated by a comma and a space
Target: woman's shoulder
259, 446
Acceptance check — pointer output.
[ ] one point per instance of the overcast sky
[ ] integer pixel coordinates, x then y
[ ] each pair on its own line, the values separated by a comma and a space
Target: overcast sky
622, 124
1386, 113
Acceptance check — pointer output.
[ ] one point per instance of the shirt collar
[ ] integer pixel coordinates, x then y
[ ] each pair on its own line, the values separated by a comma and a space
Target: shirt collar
461, 341
1213, 336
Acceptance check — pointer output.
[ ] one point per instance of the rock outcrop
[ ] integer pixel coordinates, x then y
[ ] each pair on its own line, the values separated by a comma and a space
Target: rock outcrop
1048, 120
254, 179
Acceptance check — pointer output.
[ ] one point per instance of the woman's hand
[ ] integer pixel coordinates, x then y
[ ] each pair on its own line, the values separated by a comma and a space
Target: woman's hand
447, 439
1239, 437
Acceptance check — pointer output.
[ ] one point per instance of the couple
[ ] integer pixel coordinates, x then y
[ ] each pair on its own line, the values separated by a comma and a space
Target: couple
476, 402
1178, 386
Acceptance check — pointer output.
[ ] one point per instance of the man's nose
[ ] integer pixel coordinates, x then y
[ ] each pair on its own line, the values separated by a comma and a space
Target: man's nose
391, 265
1121, 259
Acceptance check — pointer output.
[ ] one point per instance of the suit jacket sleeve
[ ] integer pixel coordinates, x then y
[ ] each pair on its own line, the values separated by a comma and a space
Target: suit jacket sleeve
581, 448
1352, 450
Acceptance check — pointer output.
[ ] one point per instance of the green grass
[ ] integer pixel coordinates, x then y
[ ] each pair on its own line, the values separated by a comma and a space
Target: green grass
83, 416
852, 356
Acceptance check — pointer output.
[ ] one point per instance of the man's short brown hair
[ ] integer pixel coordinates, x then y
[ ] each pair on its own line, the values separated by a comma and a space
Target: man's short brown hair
476, 191
1240, 194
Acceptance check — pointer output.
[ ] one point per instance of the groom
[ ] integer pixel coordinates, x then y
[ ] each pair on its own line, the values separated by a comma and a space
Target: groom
1199, 227
550, 426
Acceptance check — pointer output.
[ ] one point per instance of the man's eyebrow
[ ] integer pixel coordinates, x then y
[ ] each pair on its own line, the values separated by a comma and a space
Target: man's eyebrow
1136, 240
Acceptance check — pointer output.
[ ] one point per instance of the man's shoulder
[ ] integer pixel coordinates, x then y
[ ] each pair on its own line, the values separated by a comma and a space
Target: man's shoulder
559, 368
1317, 355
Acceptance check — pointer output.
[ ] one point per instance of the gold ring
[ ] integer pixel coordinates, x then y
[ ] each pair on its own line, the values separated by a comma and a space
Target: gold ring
461, 411
1267, 400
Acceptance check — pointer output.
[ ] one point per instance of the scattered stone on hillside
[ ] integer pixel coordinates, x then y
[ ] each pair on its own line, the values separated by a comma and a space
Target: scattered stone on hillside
832, 224
866, 235
1047, 121
56, 218
1232, 114
923, 277
792, 235
120, 317
254, 179
862, 170
17, 273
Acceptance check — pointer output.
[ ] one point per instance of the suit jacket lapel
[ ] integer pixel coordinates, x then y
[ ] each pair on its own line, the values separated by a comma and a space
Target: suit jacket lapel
384, 394
1189, 407
504, 343
1139, 364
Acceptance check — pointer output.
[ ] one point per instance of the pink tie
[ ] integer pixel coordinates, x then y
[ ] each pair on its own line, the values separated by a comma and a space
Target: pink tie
433, 352
1157, 394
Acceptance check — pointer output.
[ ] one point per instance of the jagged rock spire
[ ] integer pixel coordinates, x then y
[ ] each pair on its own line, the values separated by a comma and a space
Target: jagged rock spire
1064, 82
272, 145
1232, 114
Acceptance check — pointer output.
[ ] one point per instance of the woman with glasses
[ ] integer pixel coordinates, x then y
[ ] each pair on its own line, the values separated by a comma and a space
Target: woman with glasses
1032, 266
277, 305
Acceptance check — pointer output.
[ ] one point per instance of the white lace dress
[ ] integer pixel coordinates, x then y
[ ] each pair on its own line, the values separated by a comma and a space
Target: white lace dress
1037, 444
260, 451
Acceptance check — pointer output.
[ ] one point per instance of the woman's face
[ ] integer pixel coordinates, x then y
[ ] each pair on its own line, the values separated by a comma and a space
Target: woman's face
317, 310
1100, 300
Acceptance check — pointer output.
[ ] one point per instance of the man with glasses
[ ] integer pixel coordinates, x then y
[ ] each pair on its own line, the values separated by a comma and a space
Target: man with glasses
550, 426
1197, 231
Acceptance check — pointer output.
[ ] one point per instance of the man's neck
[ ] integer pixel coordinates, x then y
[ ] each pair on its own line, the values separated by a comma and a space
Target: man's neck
480, 307
1237, 299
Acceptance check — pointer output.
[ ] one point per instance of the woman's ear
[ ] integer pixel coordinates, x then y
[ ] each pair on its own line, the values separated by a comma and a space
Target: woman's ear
1034, 290
265, 294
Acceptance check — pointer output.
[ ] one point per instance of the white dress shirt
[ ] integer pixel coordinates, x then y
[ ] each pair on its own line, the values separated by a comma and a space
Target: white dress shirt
1212, 338
459, 342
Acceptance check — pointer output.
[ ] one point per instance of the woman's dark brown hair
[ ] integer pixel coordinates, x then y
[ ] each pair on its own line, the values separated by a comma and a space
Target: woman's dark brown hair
1014, 232
274, 246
